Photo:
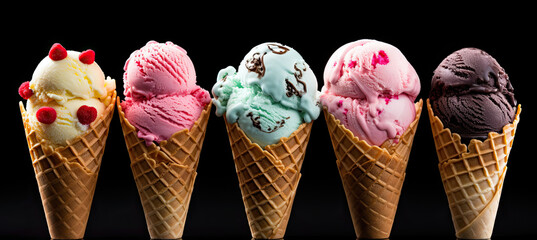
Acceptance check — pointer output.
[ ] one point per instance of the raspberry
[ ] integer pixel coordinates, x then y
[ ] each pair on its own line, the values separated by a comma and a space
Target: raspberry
87, 57
24, 90
57, 52
86, 114
46, 115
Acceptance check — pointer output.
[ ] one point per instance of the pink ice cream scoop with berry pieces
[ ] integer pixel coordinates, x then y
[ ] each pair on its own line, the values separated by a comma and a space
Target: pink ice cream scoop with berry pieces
161, 95
371, 87
67, 92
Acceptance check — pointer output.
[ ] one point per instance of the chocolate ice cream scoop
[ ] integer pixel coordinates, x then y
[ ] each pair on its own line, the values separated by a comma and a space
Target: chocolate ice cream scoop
472, 94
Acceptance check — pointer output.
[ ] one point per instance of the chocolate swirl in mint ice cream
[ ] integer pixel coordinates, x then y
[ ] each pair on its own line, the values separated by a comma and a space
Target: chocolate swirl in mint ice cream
472, 95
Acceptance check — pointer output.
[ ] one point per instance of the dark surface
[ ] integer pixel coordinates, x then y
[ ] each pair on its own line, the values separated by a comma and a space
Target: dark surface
301, 238
472, 94
217, 39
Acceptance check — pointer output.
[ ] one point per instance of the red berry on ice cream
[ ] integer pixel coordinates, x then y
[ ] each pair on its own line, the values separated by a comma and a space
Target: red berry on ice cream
86, 114
24, 90
57, 52
46, 115
87, 57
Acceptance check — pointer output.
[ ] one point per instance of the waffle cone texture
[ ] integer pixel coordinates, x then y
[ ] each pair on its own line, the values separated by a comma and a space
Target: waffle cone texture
165, 174
67, 175
372, 176
473, 175
268, 178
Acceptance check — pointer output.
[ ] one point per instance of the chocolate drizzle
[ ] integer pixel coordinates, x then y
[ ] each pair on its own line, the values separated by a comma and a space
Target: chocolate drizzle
291, 88
256, 64
298, 75
257, 124
277, 48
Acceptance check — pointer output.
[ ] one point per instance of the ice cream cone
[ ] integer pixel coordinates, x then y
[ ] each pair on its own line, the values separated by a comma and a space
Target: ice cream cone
165, 174
372, 176
268, 178
473, 175
67, 175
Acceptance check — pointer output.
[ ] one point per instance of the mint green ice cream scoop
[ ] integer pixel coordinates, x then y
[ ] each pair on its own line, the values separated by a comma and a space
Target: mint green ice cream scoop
270, 96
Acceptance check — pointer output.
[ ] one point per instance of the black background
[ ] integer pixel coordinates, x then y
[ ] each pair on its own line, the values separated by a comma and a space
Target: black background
217, 38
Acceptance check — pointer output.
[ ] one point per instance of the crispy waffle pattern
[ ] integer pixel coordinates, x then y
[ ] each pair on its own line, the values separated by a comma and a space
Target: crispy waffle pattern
372, 176
473, 175
67, 176
165, 174
268, 178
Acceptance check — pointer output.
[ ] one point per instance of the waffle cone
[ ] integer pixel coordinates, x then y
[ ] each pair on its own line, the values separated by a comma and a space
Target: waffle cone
67, 175
472, 175
372, 176
268, 178
165, 174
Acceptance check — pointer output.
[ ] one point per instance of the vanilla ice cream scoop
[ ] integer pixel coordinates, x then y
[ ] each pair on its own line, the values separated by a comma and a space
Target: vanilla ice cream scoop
67, 92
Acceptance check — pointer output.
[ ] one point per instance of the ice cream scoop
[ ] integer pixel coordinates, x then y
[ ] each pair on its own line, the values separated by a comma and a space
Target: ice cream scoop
161, 95
273, 92
67, 92
472, 95
370, 87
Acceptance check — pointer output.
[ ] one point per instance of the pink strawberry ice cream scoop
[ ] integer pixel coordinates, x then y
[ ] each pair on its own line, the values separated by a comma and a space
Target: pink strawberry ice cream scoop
161, 95
158, 69
371, 87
